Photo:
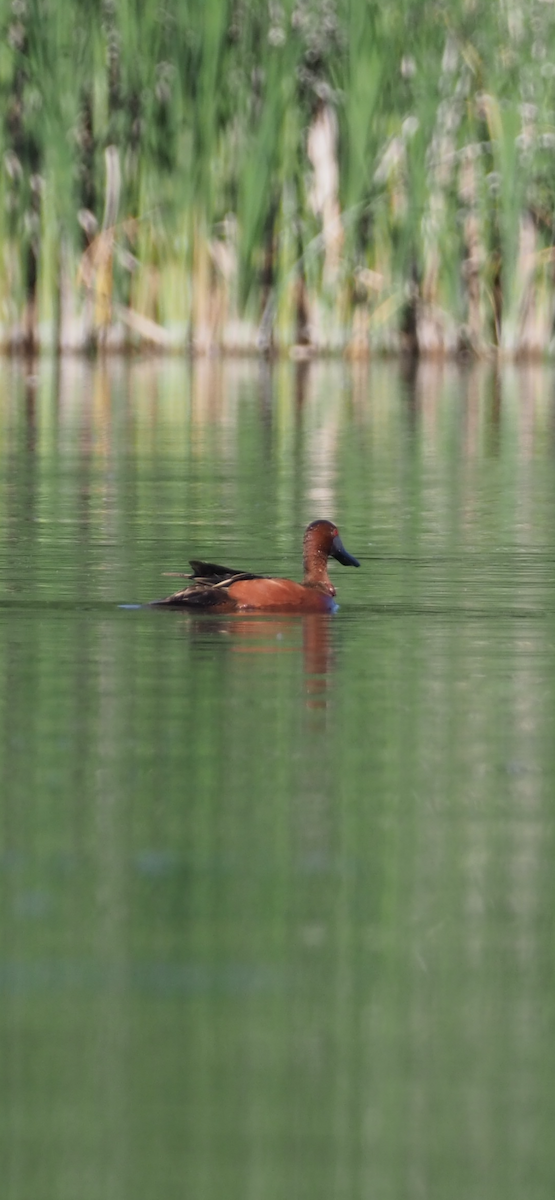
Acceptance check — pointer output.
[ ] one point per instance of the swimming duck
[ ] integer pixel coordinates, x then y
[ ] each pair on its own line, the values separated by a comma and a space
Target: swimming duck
222, 590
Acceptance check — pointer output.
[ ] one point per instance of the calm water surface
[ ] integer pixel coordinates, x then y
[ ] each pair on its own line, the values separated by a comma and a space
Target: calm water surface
277, 894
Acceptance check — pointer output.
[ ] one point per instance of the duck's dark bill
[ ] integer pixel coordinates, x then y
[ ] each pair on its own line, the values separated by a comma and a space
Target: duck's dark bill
342, 555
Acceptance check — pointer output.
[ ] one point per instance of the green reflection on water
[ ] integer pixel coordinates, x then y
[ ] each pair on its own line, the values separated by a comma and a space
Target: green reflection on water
277, 893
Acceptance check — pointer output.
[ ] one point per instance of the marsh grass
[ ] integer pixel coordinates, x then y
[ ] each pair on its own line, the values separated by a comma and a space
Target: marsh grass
318, 174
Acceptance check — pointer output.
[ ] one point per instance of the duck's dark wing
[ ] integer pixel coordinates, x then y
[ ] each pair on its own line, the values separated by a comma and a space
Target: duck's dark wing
208, 587
197, 595
212, 573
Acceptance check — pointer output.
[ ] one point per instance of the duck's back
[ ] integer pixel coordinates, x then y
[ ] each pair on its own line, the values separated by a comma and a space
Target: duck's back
278, 595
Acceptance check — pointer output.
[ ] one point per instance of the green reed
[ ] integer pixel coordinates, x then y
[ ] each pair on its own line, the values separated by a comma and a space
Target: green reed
323, 174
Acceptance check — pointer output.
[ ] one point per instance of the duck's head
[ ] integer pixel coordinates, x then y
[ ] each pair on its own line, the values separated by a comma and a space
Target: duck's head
322, 541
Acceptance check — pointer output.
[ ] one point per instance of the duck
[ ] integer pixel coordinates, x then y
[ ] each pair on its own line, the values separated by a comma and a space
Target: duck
218, 589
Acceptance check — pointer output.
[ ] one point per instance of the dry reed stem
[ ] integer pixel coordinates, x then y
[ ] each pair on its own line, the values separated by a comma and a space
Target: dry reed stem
324, 196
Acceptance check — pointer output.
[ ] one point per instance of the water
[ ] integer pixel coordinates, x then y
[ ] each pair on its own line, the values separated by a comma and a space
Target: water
277, 893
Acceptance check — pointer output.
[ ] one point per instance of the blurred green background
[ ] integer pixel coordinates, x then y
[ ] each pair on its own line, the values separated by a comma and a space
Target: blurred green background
333, 174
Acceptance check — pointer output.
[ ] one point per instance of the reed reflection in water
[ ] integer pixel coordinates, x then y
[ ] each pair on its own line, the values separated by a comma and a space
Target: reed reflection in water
277, 892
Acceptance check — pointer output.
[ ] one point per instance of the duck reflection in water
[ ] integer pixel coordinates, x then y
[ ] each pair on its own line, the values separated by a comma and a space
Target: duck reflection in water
282, 634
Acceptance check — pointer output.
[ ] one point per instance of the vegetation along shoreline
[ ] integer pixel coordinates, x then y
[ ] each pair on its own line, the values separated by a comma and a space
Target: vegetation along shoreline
306, 177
